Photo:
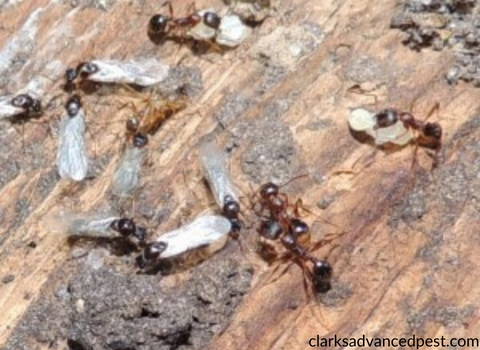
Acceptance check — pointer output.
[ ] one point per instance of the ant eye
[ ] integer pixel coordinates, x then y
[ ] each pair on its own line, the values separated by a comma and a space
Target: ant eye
140, 140
211, 19
158, 24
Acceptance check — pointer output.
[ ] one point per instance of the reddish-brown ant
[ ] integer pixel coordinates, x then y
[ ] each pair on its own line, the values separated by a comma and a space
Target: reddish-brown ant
161, 25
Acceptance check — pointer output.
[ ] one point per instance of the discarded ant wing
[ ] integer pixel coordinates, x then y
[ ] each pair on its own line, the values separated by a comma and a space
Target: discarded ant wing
232, 31
216, 173
127, 175
202, 231
91, 226
142, 72
72, 158
7, 109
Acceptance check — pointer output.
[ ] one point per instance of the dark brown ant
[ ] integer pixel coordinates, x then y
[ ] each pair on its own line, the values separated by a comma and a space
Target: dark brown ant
163, 26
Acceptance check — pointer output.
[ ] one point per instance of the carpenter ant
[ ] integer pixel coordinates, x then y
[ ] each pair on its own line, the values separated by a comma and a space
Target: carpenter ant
161, 25
231, 210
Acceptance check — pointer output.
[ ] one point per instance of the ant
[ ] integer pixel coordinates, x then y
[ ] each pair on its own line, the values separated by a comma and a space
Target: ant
154, 115
319, 276
281, 224
429, 134
161, 25
83, 70
425, 134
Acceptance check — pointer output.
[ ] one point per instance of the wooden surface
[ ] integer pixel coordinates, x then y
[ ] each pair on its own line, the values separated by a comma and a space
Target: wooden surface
402, 268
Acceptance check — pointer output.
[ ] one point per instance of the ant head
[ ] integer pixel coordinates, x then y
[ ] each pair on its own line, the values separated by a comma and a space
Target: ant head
231, 208
124, 226
73, 105
298, 227
23, 101
158, 24
386, 118
270, 229
211, 19
140, 140
322, 270
269, 189
433, 130
87, 68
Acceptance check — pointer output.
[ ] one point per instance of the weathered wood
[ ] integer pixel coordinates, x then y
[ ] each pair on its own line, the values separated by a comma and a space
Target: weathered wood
401, 268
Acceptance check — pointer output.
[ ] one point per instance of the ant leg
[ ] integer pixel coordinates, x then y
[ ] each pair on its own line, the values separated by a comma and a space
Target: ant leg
170, 7
299, 205
357, 89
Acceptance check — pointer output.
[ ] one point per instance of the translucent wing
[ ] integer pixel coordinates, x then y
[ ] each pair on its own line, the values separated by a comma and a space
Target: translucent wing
203, 231
92, 226
143, 72
6, 108
72, 159
127, 175
216, 172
